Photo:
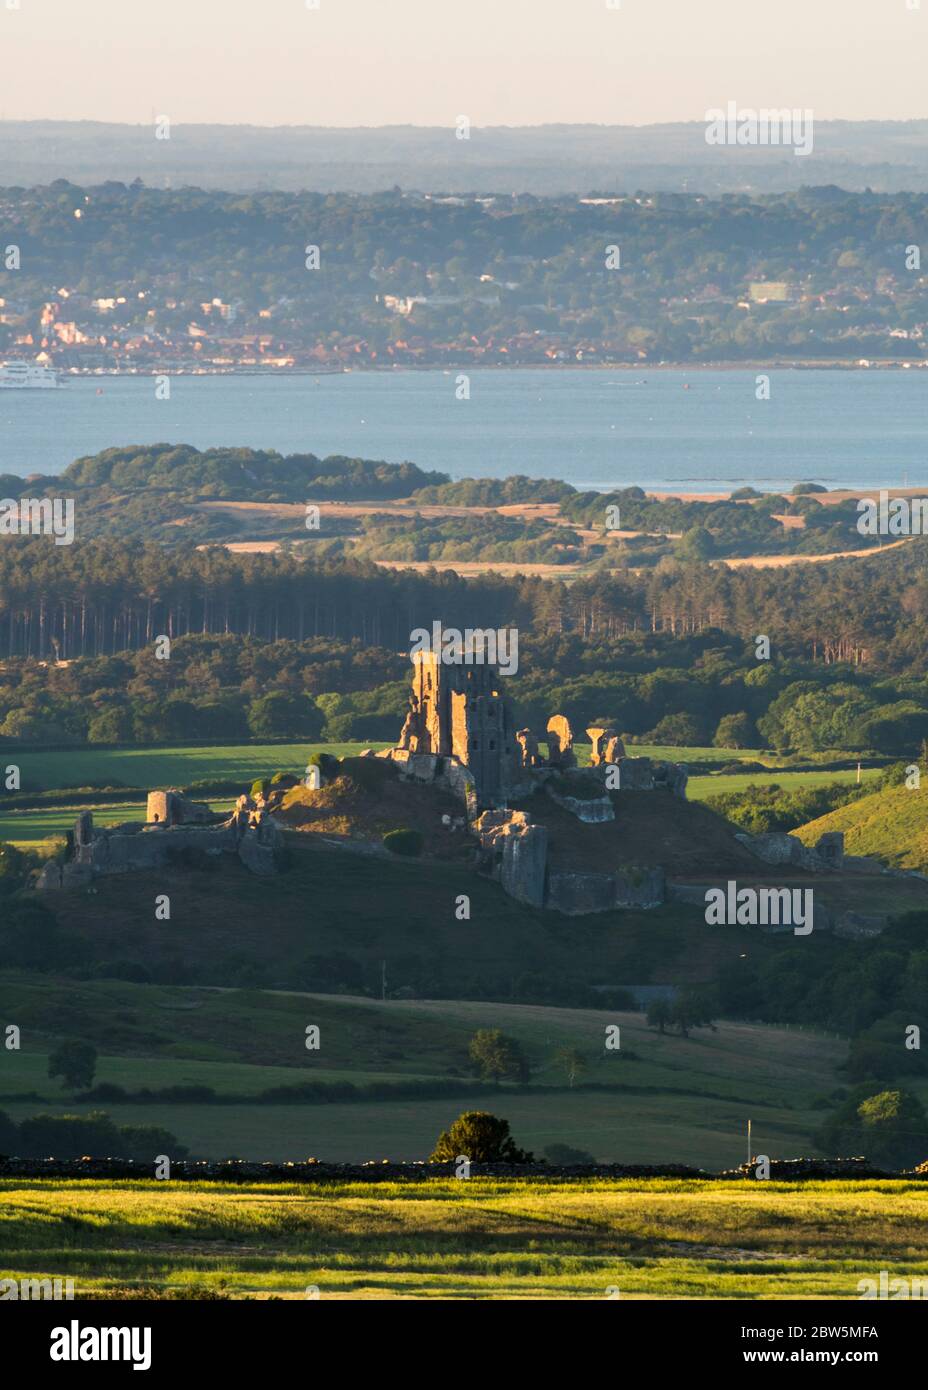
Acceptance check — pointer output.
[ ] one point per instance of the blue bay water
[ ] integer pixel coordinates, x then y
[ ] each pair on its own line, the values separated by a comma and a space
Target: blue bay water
694, 431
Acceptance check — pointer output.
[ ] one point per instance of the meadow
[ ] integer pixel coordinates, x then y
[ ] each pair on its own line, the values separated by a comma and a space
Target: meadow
453, 1239
698, 788
145, 768
660, 1098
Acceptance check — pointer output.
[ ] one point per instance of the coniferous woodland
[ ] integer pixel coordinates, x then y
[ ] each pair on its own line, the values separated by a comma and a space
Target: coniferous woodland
671, 653
100, 598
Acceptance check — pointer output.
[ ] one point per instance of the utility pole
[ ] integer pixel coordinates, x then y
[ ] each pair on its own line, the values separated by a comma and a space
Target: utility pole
750, 1155
383, 979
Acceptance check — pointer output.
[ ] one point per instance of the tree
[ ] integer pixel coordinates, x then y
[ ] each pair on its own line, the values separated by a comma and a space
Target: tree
660, 1014
111, 725
890, 1128
496, 1057
75, 1063
692, 1009
279, 715
9, 1134
12, 867
572, 1062
735, 731
481, 1137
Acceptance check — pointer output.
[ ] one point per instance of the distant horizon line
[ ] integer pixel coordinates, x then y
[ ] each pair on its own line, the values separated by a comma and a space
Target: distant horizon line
696, 121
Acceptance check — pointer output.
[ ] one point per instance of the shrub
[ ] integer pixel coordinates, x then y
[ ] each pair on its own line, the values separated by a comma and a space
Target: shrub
403, 841
328, 765
481, 1137
285, 780
564, 1155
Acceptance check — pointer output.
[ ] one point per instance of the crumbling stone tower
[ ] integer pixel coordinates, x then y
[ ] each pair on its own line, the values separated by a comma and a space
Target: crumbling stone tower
459, 710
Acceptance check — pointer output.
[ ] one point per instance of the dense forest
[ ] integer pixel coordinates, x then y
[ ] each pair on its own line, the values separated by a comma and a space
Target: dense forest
116, 274
671, 655
97, 598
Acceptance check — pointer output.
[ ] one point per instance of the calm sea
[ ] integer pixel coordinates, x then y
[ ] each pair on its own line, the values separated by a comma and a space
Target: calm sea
699, 430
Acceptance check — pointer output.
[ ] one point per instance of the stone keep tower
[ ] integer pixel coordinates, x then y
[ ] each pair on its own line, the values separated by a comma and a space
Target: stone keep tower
460, 711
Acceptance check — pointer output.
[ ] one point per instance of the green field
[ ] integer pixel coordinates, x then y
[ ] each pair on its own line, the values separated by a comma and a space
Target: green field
660, 1098
716, 784
146, 768
475, 1239
169, 767
161, 767
28, 829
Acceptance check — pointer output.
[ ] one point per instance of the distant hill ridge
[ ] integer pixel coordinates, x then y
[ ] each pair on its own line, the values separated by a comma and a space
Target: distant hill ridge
546, 159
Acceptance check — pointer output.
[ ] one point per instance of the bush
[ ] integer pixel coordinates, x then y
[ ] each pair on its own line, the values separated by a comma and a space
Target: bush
564, 1155
481, 1137
404, 841
329, 766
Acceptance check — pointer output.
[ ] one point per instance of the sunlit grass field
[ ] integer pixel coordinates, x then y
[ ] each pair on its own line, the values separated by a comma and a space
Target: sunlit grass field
163, 767
465, 1239
719, 783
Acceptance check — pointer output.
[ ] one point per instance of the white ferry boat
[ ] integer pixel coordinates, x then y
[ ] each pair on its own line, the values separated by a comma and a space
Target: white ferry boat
27, 376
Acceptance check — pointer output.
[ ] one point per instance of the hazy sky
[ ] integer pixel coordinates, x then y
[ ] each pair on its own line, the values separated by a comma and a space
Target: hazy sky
424, 62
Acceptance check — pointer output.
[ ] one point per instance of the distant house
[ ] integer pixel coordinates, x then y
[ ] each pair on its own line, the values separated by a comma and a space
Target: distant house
770, 292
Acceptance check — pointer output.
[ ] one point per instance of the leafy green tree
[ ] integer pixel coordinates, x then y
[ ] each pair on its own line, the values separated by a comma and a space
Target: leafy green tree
496, 1057
110, 726
692, 1009
481, 1137
572, 1062
735, 731
75, 1063
279, 715
890, 1128
13, 865
660, 1014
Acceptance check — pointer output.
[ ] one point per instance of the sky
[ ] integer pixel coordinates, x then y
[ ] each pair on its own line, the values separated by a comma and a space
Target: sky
425, 62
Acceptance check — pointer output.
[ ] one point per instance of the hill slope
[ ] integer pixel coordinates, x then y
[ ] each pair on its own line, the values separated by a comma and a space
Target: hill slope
891, 824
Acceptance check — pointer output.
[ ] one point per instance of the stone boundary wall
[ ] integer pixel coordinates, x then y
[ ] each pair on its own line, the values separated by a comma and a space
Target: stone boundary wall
313, 1171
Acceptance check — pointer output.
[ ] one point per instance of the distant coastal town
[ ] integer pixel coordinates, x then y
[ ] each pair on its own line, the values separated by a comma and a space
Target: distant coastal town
312, 283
